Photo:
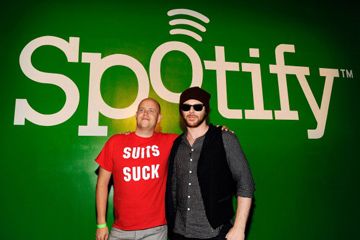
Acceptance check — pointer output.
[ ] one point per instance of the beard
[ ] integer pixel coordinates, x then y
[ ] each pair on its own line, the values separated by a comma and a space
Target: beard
194, 124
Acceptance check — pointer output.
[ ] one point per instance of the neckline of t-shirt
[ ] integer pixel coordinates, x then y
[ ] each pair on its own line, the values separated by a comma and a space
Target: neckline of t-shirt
144, 138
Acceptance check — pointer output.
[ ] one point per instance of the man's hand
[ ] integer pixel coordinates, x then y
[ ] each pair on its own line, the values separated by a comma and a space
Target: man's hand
102, 233
225, 128
235, 234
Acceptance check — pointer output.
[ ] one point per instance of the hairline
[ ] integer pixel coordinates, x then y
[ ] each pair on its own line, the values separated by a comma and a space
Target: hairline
153, 100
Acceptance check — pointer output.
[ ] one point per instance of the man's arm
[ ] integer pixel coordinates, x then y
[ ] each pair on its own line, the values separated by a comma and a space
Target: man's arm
237, 232
244, 184
101, 202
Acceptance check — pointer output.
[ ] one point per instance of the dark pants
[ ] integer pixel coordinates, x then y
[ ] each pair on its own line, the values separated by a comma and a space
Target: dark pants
224, 230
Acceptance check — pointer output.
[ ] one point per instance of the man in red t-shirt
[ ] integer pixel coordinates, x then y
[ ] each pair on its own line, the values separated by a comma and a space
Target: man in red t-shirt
138, 162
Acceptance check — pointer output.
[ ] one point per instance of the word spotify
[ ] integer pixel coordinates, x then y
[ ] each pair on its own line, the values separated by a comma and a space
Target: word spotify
99, 64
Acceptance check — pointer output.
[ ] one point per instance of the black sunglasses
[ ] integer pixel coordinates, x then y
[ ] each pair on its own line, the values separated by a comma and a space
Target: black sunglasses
186, 107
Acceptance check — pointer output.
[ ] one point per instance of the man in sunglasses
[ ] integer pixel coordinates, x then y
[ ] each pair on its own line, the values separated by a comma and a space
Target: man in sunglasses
207, 167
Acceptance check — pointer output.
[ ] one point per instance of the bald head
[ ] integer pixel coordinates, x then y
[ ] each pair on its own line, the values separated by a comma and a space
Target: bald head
151, 100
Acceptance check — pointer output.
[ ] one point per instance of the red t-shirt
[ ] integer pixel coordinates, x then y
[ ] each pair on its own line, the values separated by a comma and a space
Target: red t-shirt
139, 168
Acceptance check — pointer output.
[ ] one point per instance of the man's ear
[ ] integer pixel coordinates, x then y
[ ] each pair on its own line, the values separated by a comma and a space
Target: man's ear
159, 119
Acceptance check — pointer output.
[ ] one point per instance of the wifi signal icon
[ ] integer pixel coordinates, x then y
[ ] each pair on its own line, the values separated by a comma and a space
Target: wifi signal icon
181, 21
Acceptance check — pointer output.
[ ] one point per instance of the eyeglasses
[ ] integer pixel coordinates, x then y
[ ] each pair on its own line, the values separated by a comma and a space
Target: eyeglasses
186, 107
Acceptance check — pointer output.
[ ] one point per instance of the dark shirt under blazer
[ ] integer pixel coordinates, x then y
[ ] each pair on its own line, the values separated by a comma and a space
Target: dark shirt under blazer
202, 180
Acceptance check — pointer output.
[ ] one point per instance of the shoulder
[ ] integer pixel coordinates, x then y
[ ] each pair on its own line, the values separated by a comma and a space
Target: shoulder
229, 137
120, 136
167, 136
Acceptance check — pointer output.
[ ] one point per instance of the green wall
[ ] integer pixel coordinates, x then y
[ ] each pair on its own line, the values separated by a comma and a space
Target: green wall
306, 186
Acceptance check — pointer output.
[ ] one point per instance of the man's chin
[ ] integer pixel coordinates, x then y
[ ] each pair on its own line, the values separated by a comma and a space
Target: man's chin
192, 124
195, 123
145, 125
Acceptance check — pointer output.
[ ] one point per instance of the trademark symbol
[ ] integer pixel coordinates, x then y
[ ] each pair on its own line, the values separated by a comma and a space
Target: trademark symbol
346, 73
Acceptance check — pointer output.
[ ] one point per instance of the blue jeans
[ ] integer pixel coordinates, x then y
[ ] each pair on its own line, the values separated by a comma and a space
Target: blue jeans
155, 233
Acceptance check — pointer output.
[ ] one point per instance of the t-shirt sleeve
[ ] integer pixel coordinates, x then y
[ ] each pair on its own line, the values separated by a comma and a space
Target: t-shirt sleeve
238, 165
105, 158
